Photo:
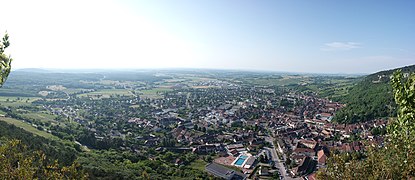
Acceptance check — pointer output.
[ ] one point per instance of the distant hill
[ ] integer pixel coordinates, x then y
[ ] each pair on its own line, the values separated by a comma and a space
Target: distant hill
37, 70
371, 98
384, 76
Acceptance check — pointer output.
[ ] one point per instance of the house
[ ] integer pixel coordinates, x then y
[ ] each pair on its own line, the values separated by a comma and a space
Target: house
234, 152
205, 149
308, 143
249, 162
178, 162
297, 158
234, 146
263, 171
209, 148
256, 141
321, 157
151, 142
304, 151
311, 177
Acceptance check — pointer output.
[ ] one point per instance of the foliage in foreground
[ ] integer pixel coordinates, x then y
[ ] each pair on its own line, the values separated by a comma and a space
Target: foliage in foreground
5, 61
396, 160
17, 162
112, 164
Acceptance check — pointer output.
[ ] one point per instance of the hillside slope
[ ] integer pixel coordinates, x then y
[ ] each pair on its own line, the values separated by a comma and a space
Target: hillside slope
371, 98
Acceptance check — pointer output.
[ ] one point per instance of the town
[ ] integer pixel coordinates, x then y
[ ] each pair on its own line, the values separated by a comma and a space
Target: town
235, 130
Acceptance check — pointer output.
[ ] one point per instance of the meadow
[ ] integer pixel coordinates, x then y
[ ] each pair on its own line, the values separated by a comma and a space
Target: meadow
28, 127
154, 93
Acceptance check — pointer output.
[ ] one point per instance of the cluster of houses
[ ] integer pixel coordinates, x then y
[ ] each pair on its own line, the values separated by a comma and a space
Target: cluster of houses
304, 132
211, 83
232, 124
309, 139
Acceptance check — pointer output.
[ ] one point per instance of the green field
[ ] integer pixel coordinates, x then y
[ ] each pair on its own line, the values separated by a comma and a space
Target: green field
277, 81
107, 93
2, 112
154, 93
199, 79
74, 90
332, 88
198, 164
176, 80
28, 127
17, 101
40, 116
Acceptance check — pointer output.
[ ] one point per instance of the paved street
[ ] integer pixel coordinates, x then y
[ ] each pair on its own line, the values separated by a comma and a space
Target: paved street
278, 162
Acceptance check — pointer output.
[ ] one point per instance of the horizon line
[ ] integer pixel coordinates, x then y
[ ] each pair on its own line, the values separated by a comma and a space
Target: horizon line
189, 68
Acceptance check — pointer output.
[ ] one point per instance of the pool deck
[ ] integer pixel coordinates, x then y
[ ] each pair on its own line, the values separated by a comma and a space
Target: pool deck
245, 157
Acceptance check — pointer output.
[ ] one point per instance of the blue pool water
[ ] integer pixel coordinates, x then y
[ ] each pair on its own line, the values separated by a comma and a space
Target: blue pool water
240, 160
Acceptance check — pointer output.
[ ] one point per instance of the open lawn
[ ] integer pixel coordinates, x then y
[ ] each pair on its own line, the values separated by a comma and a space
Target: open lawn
28, 127
198, 164
154, 93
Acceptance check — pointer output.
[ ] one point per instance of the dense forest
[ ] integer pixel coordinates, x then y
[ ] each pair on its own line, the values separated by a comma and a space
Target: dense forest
371, 98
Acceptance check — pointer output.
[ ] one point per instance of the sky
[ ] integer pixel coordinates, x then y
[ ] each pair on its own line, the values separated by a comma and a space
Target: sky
317, 36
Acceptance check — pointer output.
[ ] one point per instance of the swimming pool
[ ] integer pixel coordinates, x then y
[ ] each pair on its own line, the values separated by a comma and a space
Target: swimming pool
240, 160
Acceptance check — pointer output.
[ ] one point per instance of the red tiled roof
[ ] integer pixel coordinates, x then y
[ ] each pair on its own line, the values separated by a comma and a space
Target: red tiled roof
303, 150
321, 157
312, 176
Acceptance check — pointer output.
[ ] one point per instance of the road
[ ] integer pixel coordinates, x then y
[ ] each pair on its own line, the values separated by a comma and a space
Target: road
278, 162
67, 94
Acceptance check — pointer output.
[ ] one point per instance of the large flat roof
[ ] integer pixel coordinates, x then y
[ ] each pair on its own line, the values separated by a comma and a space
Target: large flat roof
220, 171
224, 172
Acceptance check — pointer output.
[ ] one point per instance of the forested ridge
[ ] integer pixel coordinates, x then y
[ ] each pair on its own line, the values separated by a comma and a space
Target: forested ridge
371, 98
395, 158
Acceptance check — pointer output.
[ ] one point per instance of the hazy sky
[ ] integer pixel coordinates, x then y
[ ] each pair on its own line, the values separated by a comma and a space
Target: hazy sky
298, 36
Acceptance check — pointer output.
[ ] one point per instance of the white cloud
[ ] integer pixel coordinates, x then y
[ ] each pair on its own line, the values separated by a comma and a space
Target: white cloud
340, 46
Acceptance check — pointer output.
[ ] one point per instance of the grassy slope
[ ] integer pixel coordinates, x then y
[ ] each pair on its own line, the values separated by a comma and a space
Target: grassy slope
28, 127
198, 164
